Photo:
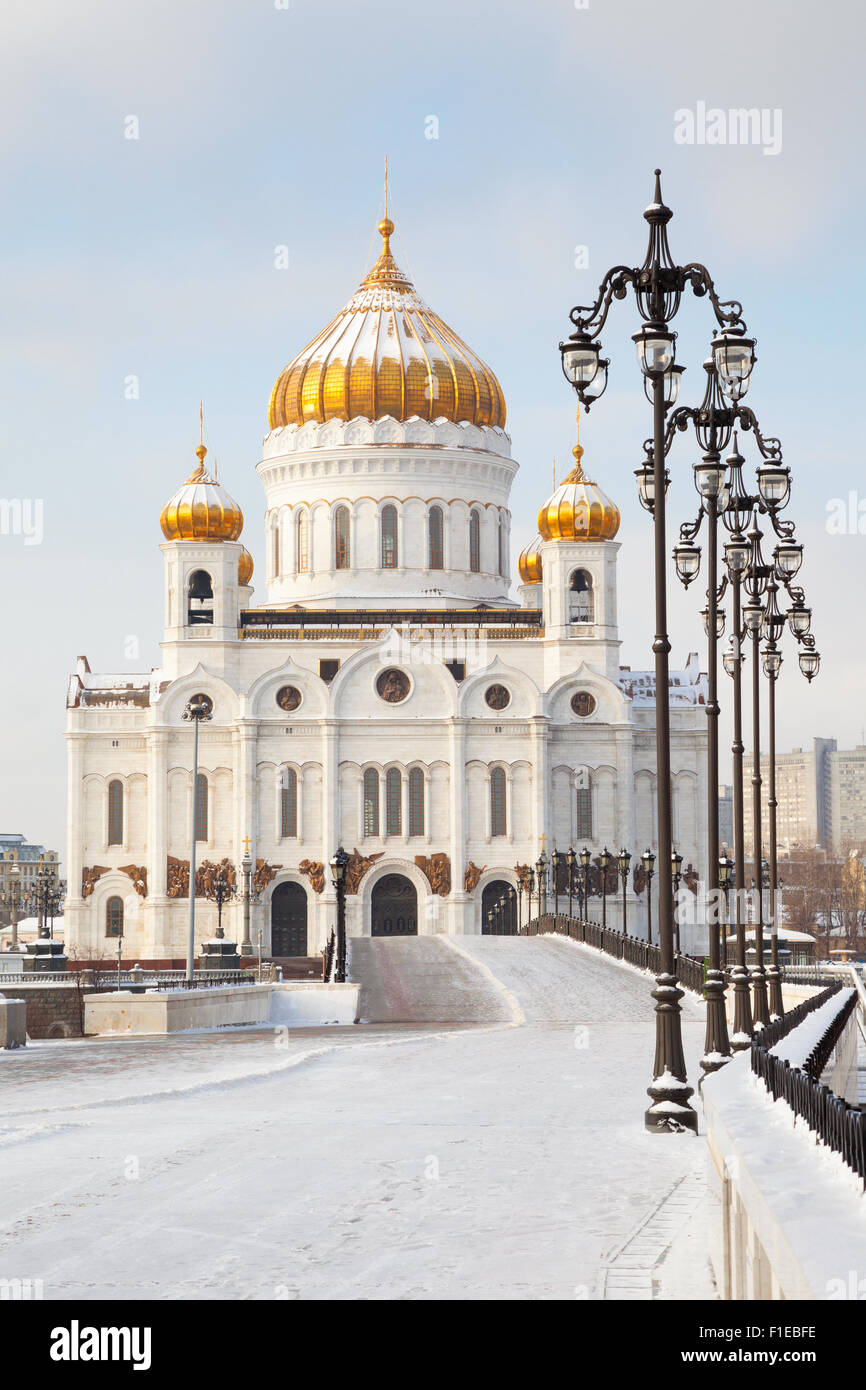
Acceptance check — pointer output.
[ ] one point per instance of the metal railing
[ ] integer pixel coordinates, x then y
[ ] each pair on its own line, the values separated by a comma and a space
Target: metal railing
831, 1118
633, 949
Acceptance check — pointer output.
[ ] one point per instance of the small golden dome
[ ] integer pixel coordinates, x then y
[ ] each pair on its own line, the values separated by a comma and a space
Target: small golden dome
386, 353
529, 562
245, 567
578, 510
201, 510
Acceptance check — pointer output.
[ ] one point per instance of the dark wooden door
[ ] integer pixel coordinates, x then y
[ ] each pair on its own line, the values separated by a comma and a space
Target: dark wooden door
394, 907
289, 920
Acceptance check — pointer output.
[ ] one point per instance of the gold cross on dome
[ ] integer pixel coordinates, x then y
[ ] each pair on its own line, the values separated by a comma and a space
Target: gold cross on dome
542, 840
247, 843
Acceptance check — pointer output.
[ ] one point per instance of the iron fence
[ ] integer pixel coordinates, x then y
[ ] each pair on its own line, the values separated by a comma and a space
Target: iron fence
831, 1118
633, 949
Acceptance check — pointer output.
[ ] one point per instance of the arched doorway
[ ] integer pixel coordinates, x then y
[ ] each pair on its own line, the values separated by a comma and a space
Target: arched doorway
497, 899
394, 907
289, 920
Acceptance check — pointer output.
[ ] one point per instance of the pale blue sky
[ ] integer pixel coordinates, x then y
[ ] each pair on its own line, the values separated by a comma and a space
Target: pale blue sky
261, 126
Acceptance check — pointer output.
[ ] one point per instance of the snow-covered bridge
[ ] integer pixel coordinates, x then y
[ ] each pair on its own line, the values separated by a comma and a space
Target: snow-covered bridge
479, 1140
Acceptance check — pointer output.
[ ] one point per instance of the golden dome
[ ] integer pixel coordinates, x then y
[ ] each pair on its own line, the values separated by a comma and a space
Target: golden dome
386, 353
578, 510
201, 510
245, 567
529, 562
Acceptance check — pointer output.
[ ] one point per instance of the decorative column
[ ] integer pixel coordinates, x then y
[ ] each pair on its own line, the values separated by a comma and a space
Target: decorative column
540, 779
76, 830
245, 738
331, 829
457, 816
157, 911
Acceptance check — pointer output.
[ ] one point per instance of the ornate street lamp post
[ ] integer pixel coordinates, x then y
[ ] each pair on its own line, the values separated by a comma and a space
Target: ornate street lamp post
571, 862
12, 900
726, 870
198, 708
771, 660
246, 870
558, 860
604, 860
757, 575
338, 876
648, 860
530, 891
585, 862
676, 879
541, 875
623, 861
520, 903
736, 559
658, 285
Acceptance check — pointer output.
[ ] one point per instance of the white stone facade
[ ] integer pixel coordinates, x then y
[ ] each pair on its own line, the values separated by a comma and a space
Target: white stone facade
129, 730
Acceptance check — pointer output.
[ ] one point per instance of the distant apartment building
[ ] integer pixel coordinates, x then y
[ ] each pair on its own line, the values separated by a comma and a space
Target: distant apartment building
726, 817
803, 794
847, 797
16, 852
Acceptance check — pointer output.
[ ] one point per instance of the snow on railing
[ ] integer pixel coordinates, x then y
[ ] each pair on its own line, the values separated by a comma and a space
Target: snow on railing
792, 1072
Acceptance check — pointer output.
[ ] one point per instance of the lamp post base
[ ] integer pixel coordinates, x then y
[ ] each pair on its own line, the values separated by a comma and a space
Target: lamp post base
670, 1112
760, 1004
717, 1047
741, 1038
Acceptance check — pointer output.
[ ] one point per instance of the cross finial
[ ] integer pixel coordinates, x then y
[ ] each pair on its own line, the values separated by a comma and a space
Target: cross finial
201, 451
386, 185
247, 843
542, 840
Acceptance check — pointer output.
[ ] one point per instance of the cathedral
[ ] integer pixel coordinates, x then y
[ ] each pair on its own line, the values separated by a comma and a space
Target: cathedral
388, 696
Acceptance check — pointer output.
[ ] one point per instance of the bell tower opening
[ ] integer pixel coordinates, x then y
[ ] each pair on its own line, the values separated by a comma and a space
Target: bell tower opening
581, 599
200, 599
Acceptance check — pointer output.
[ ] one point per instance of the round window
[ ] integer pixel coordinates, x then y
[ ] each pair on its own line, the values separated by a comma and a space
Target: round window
583, 703
393, 686
289, 697
497, 697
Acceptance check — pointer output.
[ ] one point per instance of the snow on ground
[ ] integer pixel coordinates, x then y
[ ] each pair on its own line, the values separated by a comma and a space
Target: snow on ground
504, 1159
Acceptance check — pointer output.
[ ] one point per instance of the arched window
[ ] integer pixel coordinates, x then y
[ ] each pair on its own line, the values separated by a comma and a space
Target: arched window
393, 798
502, 545
201, 807
277, 546
389, 537
475, 542
341, 538
416, 801
115, 813
584, 809
114, 917
200, 599
371, 802
435, 553
497, 801
581, 597
289, 804
302, 548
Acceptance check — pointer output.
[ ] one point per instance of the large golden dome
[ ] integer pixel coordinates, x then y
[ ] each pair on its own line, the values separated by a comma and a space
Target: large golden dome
386, 353
578, 510
201, 510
